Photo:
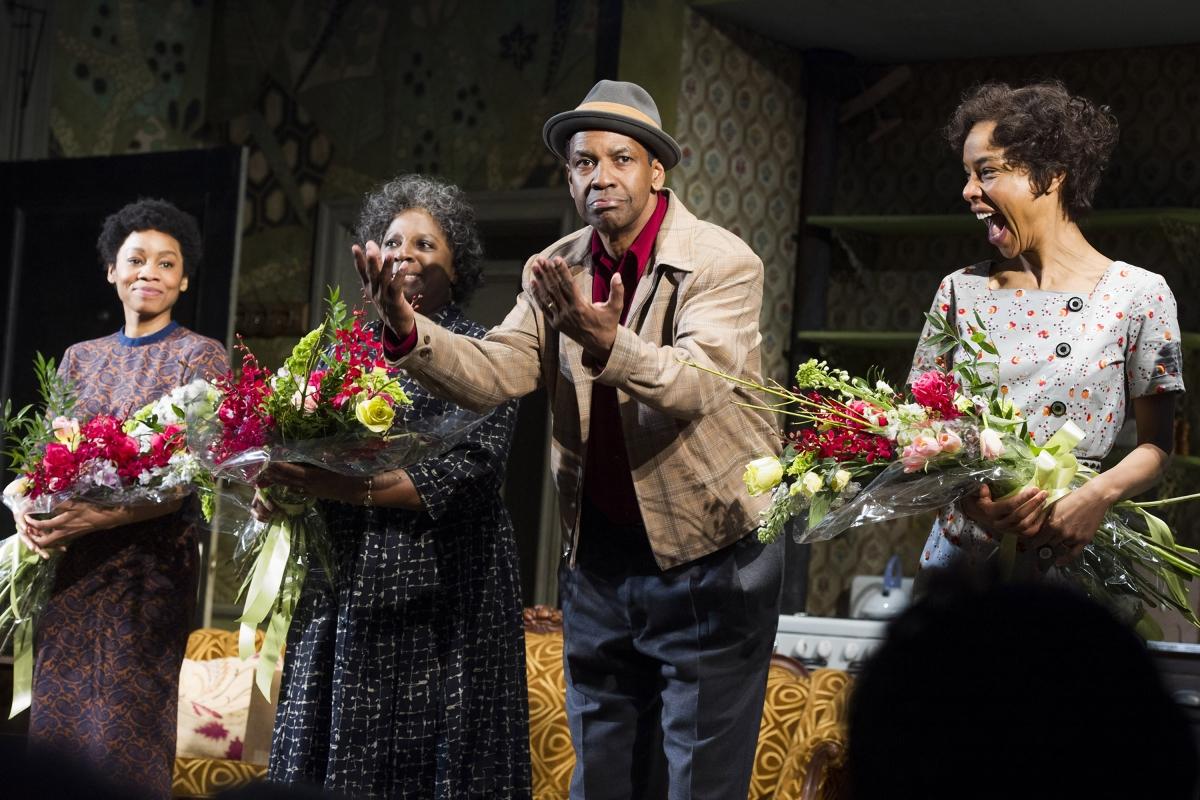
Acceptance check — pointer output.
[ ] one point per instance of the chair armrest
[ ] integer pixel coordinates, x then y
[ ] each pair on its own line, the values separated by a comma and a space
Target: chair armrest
825, 778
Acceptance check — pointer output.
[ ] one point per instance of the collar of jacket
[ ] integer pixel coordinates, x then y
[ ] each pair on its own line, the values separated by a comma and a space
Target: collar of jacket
672, 249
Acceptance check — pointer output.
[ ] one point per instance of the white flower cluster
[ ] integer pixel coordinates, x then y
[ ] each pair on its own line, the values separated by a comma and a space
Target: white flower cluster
199, 398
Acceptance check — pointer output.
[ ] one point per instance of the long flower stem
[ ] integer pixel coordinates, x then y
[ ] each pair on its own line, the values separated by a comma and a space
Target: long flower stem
1169, 501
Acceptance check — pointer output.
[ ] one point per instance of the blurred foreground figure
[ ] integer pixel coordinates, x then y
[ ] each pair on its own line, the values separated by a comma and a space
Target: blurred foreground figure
1017, 690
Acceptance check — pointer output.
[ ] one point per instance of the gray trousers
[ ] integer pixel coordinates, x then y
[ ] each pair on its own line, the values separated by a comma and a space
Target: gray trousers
666, 670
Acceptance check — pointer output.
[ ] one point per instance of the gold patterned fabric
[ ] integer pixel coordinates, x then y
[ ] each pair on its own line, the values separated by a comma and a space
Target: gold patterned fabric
823, 723
552, 755
204, 777
783, 711
207, 643
801, 714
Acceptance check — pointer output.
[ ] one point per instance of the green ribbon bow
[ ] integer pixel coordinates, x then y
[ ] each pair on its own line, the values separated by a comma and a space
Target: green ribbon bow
1054, 469
273, 587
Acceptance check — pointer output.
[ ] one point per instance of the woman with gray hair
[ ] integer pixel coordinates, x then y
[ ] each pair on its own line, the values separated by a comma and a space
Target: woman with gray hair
405, 674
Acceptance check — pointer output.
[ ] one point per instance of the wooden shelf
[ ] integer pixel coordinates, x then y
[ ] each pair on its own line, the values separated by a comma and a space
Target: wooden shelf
932, 224
895, 339
861, 338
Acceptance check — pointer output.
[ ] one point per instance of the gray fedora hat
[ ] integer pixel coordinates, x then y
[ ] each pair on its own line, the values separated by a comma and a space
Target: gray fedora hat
617, 106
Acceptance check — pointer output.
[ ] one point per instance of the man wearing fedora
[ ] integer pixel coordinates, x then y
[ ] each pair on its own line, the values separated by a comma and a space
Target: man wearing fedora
670, 604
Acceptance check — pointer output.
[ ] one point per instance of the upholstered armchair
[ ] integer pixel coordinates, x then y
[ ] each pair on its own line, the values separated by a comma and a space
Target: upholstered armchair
801, 741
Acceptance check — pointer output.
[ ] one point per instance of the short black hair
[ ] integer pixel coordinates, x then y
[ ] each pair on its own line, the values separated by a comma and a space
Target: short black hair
448, 206
1047, 130
150, 214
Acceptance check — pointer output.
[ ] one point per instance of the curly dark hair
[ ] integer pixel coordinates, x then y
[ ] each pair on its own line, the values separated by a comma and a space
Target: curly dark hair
1045, 129
150, 214
447, 205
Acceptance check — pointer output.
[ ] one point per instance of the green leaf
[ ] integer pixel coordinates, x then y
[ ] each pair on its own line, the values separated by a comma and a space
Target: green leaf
818, 508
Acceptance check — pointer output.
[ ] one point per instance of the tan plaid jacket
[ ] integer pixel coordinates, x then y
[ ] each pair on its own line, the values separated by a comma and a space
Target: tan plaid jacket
688, 442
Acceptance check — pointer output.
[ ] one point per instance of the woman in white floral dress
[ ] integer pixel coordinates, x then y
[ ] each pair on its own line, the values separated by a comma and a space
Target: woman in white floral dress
1080, 337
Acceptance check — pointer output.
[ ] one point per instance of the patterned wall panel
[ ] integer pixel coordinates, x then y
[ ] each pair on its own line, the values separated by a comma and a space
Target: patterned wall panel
127, 81
740, 124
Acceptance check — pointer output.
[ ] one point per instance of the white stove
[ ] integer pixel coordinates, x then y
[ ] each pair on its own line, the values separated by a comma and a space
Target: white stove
828, 641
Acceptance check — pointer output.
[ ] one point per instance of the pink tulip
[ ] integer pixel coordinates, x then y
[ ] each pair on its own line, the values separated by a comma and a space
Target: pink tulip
950, 442
923, 449
990, 444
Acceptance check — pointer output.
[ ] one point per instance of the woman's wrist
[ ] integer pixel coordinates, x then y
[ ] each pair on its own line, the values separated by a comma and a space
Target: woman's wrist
1102, 490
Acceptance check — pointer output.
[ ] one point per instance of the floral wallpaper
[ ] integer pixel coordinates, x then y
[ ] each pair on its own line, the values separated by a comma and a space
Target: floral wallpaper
330, 98
128, 78
740, 124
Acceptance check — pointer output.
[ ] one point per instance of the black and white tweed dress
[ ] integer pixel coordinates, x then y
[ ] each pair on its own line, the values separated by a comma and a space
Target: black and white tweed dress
407, 680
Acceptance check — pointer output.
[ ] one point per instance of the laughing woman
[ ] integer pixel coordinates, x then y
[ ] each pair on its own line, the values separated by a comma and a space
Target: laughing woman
1081, 337
111, 639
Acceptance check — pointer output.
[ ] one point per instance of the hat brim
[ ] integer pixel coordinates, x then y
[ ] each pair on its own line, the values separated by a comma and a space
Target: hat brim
561, 127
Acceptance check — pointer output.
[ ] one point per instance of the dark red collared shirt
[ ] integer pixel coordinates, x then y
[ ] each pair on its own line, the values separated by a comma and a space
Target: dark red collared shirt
607, 480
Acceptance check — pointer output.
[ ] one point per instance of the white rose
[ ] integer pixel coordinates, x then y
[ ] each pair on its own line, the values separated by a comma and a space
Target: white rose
811, 483
840, 479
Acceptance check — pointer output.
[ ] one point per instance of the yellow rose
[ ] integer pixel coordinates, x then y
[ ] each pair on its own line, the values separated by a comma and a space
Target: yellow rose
375, 413
811, 483
840, 479
762, 475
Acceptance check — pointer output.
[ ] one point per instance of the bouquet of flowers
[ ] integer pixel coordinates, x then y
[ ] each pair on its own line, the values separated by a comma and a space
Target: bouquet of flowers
862, 451
104, 460
334, 405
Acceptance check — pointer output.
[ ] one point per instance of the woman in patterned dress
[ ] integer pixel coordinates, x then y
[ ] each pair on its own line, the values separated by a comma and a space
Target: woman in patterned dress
111, 640
405, 677
1081, 337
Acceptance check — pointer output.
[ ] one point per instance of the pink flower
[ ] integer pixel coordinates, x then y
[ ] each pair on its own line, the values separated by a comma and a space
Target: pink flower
935, 391
311, 399
950, 442
58, 469
990, 444
924, 448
